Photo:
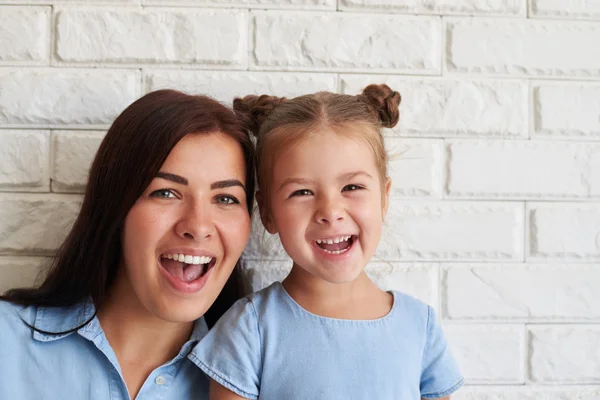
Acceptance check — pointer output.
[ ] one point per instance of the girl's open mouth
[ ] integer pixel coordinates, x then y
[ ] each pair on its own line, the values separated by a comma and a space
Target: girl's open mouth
186, 268
337, 245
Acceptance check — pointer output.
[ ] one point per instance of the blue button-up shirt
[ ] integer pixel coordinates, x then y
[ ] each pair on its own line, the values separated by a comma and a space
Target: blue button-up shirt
81, 365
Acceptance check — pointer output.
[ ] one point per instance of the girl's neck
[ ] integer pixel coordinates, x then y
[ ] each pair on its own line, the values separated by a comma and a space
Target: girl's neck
360, 299
136, 335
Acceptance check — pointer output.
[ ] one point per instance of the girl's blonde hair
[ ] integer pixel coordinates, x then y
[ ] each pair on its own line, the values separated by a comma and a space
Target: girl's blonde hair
277, 122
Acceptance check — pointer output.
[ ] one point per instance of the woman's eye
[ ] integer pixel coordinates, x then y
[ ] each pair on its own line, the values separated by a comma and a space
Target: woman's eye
349, 188
226, 199
302, 192
163, 194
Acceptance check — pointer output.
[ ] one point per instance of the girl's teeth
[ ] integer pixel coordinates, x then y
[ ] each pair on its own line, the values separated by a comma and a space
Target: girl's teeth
196, 260
332, 241
335, 251
188, 259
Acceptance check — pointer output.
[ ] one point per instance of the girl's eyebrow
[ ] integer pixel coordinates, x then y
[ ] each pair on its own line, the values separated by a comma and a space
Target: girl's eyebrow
351, 175
343, 177
298, 181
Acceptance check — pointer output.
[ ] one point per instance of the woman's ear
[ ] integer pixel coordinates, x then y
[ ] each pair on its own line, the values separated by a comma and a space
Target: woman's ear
265, 213
385, 202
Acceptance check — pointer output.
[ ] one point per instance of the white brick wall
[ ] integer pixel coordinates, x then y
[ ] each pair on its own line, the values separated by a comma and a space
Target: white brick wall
495, 210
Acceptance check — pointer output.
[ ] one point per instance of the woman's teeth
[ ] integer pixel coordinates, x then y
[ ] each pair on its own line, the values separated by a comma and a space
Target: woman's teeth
333, 240
187, 258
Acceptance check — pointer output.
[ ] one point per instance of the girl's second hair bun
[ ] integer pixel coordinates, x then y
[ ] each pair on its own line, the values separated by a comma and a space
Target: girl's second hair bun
254, 110
384, 102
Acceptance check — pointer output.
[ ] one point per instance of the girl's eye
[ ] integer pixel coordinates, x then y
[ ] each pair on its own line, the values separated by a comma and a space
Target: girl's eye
349, 188
163, 194
227, 199
302, 192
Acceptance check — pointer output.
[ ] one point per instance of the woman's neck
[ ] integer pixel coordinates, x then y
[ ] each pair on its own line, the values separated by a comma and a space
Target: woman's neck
136, 335
360, 299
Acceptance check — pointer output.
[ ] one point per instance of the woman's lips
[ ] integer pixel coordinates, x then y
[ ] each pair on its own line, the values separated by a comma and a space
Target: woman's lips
186, 278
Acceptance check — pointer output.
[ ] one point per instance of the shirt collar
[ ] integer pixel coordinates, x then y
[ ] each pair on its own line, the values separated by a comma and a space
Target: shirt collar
62, 319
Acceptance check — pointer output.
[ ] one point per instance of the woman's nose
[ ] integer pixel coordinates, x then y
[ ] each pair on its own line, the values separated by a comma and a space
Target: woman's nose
196, 223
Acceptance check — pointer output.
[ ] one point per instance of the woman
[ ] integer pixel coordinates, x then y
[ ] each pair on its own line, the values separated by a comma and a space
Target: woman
164, 220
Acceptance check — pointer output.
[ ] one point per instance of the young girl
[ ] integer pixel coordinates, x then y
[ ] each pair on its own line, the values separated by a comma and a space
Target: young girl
326, 331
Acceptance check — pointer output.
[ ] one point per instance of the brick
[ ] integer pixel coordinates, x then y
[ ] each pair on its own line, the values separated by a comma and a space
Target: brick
526, 393
419, 231
225, 85
450, 107
264, 4
417, 280
523, 47
24, 160
521, 292
519, 169
184, 37
564, 231
64, 97
19, 272
567, 109
579, 9
260, 274
35, 223
564, 354
263, 246
415, 167
488, 353
311, 41
594, 177
73, 2
467, 7
25, 35
73, 156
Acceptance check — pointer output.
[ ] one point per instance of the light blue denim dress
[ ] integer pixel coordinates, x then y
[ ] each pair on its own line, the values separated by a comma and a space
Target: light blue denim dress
81, 365
268, 347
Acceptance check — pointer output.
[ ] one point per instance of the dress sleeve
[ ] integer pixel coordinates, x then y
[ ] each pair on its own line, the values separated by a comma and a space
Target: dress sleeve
230, 353
440, 375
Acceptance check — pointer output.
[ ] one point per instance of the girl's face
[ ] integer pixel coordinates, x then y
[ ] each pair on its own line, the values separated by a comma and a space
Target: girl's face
184, 235
326, 204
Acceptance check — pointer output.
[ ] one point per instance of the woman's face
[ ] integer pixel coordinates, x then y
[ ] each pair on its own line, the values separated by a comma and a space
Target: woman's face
184, 235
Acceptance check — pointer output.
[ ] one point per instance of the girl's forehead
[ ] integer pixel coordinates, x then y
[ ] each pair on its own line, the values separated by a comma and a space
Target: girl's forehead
326, 151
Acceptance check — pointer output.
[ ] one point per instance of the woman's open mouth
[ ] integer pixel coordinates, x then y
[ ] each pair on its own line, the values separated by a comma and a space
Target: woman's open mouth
336, 245
186, 268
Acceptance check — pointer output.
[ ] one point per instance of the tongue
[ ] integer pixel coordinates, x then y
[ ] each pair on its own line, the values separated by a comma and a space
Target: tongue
182, 271
335, 246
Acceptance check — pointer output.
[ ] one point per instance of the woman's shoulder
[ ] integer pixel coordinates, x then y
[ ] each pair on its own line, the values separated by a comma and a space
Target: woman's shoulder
13, 322
11, 313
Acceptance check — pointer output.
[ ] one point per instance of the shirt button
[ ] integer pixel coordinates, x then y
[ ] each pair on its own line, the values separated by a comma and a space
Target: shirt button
160, 380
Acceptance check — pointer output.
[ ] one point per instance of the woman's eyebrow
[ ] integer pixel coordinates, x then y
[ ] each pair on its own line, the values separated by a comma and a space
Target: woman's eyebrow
172, 177
226, 183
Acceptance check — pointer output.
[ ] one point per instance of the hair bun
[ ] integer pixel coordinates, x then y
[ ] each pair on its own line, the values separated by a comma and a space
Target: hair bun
254, 110
385, 102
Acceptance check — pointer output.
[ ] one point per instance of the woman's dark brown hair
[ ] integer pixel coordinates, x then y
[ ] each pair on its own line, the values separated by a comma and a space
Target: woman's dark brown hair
130, 156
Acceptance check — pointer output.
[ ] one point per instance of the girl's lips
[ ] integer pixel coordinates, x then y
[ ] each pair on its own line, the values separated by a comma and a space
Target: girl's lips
183, 286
